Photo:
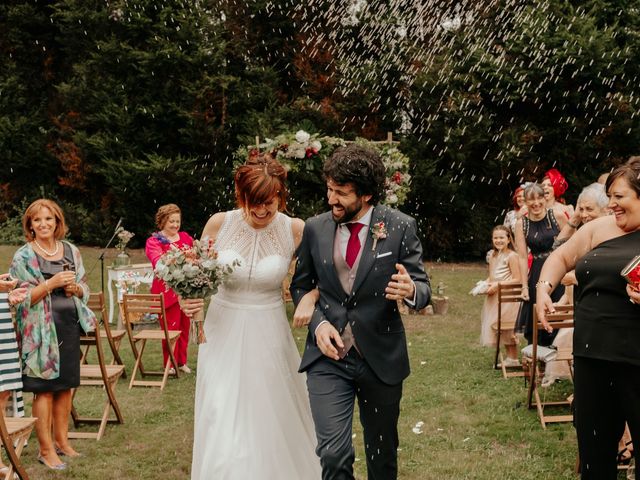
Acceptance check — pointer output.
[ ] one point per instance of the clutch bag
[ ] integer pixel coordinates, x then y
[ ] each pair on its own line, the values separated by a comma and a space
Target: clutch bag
631, 272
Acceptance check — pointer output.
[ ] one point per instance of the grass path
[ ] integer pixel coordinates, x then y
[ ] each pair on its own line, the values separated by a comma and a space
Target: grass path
475, 424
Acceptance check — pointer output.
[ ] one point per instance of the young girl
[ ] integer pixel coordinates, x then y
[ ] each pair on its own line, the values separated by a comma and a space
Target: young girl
503, 267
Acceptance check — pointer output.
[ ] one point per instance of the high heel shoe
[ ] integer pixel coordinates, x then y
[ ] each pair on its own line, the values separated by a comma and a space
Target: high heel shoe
60, 466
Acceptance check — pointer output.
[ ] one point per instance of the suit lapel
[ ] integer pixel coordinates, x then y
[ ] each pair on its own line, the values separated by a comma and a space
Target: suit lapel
368, 256
325, 243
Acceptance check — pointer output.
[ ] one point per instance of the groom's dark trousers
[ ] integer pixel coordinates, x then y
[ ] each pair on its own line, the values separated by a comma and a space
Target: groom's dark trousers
374, 369
332, 386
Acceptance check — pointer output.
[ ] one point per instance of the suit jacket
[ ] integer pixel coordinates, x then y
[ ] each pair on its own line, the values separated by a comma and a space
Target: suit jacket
375, 321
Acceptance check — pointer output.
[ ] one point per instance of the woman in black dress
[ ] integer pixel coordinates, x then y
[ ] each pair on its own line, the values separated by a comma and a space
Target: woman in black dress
606, 343
49, 322
535, 232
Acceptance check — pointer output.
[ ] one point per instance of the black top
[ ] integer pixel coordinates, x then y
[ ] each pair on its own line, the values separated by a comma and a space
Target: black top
607, 324
539, 236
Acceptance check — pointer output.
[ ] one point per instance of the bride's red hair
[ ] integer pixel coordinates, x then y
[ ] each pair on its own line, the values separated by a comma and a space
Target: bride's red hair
259, 180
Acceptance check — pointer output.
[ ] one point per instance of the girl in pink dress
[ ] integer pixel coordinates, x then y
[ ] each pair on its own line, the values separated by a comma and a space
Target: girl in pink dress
503, 267
168, 219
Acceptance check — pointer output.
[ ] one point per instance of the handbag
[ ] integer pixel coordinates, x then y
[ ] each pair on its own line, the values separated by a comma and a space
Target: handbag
544, 354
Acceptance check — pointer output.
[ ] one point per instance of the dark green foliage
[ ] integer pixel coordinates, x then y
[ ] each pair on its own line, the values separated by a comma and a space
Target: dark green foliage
119, 106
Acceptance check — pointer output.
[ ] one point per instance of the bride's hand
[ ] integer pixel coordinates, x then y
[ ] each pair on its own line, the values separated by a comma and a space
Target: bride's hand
191, 306
304, 310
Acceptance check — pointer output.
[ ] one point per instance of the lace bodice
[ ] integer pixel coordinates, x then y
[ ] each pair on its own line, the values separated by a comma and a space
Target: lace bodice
264, 255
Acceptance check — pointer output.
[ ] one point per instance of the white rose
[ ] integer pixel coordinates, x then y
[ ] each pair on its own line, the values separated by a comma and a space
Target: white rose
189, 270
316, 145
299, 153
302, 136
177, 275
391, 199
161, 268
209, 264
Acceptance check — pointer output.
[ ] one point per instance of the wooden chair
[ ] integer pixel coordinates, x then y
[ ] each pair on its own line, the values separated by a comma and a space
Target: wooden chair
563, 318
508, 292
133, 307
113, 337
103, 376
14, 433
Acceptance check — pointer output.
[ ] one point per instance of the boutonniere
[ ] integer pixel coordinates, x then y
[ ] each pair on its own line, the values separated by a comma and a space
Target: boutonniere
378, 232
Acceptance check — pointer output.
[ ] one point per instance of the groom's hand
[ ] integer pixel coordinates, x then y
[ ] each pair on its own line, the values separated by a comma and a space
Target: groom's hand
401, 286
326, 334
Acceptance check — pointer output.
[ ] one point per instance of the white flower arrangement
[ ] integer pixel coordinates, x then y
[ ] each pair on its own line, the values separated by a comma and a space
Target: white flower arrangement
124, 237
305, 153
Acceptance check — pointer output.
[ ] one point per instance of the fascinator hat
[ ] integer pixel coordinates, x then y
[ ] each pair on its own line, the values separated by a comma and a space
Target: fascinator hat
559, 183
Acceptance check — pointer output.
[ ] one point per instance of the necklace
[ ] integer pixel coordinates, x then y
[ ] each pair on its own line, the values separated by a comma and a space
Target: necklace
46, 252
171, 239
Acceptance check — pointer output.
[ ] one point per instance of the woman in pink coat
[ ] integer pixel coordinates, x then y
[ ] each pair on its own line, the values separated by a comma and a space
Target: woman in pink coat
168, 219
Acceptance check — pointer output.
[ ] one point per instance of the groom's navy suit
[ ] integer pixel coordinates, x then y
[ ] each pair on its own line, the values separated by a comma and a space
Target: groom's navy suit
373, 370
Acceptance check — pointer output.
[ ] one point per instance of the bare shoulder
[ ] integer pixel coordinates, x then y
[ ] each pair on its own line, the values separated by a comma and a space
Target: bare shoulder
297, 227
560, 214
601, 229
213, 225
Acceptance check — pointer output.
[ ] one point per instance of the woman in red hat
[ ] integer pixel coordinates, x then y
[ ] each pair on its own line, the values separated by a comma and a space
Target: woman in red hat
554, 185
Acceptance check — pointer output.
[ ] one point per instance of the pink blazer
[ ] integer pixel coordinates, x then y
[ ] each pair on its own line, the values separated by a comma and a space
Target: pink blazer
156, 245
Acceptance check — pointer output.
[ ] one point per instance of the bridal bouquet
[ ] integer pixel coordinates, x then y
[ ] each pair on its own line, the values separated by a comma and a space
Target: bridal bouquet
193, 272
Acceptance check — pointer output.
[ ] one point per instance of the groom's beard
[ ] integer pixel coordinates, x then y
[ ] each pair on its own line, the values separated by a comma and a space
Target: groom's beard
348, 213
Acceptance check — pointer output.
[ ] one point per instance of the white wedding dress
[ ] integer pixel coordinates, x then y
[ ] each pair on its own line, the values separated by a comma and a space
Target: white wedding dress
252, 415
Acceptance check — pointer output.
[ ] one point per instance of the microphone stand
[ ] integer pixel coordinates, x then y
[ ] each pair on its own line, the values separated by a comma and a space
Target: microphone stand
104, 251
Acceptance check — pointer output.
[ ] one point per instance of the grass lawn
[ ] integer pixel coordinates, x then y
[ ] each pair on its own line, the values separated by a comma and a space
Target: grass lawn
475, 424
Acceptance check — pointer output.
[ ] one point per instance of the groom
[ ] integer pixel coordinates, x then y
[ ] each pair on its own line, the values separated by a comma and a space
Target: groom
362, 257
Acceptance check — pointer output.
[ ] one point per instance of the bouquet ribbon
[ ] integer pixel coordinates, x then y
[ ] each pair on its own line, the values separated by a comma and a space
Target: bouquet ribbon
197, 327
196, 331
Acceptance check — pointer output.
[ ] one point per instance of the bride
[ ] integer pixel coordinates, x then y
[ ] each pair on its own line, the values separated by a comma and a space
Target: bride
252, 415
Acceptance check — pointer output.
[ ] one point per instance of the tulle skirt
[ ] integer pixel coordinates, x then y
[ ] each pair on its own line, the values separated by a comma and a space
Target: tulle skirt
252, 415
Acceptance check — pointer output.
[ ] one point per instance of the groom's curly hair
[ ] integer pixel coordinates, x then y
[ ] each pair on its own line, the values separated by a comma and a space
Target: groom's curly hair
360, 166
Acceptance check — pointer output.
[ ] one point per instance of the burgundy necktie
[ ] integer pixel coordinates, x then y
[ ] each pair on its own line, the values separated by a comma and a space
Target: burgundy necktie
353, 246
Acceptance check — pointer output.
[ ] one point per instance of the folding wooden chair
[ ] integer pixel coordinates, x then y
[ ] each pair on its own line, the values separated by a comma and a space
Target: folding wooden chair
14, 433
100, 375
508, 292
563, 318
134, 306
114, 337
